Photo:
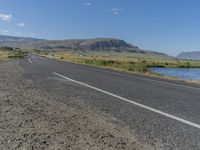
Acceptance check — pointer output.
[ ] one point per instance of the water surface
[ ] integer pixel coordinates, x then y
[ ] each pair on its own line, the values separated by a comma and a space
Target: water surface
181, 73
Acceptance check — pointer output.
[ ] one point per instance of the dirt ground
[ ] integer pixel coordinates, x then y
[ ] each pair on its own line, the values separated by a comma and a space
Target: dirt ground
33, 119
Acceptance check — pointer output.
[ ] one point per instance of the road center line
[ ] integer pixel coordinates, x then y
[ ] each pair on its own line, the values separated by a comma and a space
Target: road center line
30, 60
132, 102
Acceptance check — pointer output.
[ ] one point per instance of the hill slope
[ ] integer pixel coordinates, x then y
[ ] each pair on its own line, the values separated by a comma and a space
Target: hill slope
96, 44
189, 55
20, 42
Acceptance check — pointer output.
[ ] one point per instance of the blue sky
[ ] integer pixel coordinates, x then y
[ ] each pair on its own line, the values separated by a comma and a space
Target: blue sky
169, 26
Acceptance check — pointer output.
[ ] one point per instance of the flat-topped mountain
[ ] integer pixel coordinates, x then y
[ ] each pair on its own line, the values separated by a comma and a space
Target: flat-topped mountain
97, 44
106, 43
189, 55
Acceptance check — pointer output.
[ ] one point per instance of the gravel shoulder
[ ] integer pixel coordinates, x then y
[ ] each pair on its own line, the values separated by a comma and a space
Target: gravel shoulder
34, 118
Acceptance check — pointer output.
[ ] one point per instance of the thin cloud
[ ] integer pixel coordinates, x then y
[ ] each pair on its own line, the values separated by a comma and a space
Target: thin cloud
116, 11
18, 33
5, 17
33, 34
5, 31
88, 4
21, 24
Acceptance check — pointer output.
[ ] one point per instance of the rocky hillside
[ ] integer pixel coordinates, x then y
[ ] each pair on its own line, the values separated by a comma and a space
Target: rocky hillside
189, 55
98, 44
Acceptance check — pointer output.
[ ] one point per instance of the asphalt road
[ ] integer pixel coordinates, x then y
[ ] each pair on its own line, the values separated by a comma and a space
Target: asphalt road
161, 113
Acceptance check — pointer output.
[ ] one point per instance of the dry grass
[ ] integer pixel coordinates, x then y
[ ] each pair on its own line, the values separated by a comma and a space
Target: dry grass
122, 59
3, 55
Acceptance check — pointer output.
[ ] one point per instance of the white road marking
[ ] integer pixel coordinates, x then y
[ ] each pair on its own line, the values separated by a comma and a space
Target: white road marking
30, 60
132, 102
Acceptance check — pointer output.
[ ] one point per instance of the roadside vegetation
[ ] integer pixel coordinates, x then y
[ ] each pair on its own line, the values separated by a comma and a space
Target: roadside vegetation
130, 62
9, 52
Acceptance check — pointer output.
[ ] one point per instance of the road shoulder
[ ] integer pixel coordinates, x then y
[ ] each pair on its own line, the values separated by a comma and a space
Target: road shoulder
33, 118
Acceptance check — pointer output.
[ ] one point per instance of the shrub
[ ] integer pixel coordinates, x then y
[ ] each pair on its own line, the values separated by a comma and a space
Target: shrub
140, 68
5, 48
188, 63
144, 61
99, 62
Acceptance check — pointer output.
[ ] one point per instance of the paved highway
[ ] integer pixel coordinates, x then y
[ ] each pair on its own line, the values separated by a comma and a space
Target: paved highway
158, 111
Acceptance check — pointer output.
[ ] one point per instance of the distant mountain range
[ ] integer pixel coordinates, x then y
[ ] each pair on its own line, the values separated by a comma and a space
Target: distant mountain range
20, 42
189, 55
96, 44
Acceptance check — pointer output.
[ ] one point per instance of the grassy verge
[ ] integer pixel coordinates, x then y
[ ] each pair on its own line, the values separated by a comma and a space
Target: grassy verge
9, 53
3, 55
127, 62
97, 60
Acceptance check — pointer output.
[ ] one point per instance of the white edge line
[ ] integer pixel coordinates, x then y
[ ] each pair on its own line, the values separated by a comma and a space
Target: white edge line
132, 102
30, 60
